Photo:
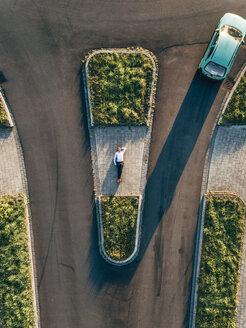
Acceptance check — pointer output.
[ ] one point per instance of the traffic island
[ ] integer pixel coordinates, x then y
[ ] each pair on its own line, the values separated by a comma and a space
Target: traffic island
222, 233
120, 225
16, 306
120, 87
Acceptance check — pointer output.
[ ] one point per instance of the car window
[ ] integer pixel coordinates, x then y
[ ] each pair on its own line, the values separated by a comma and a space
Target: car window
209, 53
215, 39
215, 69
232, 31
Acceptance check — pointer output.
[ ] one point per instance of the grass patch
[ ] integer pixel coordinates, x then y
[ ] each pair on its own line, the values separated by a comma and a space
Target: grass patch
120, 87
119, 217
236, 109
16, 305
220, 262
4, 122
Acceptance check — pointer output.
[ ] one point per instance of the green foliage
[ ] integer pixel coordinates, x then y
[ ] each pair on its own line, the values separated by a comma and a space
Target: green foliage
236, 108
120, 87
220, 262
4, 122
119, 216
16, 305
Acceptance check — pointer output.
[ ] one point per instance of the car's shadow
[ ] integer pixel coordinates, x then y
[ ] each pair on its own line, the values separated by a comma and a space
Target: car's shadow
161, 184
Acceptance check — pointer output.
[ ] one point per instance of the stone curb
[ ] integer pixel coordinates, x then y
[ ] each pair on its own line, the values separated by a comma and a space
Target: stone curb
94, 153
29, 229
101, 236
32, 262
7, 111
126, 51
198, 250
197, 261
230, 94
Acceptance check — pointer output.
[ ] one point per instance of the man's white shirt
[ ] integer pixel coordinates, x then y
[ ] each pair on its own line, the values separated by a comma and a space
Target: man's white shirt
119, 156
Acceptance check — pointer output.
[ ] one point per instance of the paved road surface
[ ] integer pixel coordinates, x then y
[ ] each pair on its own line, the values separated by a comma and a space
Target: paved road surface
42, 43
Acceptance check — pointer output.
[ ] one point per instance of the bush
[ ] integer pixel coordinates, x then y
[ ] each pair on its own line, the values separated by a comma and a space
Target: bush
120, 86
236, 109
16, 302
4, 122
220, 262
119, 217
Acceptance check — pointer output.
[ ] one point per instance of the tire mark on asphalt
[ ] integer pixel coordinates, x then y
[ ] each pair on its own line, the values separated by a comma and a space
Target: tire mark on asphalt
176, 45
67, 266
52, 225
158, 249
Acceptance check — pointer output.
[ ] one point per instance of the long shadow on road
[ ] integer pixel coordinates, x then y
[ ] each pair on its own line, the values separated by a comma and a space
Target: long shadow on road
162, 183
175, 154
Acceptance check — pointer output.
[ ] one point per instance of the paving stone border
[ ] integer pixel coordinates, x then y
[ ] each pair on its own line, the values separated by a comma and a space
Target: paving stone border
20, 188
93, 132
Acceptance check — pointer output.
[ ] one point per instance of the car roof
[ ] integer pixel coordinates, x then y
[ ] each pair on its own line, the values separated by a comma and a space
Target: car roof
224, 50
235, 21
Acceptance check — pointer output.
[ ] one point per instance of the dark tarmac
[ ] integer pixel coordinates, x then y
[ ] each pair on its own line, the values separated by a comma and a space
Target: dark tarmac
42, 44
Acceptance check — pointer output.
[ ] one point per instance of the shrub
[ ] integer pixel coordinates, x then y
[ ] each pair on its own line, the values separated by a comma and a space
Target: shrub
120, 86
119, 217
220, 262
4, 122
236, 108
16, 305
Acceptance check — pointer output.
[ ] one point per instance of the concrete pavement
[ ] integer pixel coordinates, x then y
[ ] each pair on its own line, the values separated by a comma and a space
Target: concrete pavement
12, 171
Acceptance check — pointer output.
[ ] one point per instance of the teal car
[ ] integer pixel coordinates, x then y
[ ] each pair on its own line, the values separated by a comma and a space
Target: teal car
223, 47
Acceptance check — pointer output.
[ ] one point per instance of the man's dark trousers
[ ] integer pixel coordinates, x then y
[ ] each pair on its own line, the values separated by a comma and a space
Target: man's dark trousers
120, 168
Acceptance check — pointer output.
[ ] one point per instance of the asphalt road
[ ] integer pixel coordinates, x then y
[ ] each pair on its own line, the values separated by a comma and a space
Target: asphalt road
42, 43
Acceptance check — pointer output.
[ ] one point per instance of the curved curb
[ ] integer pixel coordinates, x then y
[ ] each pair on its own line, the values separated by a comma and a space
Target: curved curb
7, 111
144, 159
101, 235
228, 97
125, 51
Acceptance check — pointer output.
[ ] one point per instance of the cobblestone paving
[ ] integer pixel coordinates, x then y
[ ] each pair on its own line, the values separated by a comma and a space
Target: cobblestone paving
107, 139
12, 172
228, 172
228, 162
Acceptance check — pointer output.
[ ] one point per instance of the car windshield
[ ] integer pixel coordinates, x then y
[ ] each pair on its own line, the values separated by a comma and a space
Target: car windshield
232, 31
215, 69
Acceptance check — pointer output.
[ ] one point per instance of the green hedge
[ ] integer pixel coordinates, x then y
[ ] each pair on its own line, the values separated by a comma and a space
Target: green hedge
119, 217
4, 122
220, 262
120, 87
236, 109
16, 305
